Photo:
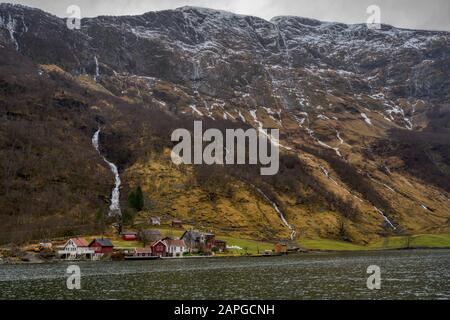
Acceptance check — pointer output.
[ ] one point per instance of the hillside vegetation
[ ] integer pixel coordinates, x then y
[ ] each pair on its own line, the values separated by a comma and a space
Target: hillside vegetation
363, 118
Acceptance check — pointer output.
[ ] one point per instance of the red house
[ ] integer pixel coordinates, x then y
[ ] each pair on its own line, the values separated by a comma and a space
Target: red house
220, 245
159, 249
177, 224
129, 236
101, 246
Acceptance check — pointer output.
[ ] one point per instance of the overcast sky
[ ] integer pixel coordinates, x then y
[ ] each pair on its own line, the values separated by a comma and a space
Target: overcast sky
415, 14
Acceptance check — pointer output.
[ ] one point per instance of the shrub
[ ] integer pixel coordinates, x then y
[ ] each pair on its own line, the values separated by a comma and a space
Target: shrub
136, 199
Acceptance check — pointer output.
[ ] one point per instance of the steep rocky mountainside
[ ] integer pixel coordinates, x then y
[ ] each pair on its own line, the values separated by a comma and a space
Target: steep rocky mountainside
364, 117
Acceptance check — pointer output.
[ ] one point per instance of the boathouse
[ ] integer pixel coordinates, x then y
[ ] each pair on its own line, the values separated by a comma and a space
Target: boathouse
159, 249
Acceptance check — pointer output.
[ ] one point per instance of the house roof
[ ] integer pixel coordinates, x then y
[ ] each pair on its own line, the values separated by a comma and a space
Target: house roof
143, 250
196, 234
191, 233
102, 242
80, 242
159, 241
152, 232
128, 233
175, 243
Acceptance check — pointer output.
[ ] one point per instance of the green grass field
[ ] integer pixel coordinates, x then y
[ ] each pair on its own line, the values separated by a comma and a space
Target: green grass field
258, 247
417, 241
333, 245
165, 232
248, 246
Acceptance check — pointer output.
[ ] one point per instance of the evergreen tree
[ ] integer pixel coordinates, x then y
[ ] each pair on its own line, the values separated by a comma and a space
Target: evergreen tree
100, 219
128, 216
136, 199
139, 199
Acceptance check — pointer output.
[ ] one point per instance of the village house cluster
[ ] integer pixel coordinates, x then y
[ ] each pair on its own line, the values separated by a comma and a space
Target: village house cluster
156, 246
153, 245
80, 249
191, 242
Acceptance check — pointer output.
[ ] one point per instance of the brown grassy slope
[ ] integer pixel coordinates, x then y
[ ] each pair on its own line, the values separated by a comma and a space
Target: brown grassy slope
52, 180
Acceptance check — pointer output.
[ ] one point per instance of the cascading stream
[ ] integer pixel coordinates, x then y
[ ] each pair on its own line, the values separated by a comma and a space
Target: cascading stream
386, 219
114, 208
282, 217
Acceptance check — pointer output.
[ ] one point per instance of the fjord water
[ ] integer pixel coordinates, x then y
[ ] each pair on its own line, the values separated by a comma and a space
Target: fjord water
405, 275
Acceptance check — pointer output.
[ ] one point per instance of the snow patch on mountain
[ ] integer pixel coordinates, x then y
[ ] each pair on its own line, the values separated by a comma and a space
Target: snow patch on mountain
366, 119
195, 110
10, 24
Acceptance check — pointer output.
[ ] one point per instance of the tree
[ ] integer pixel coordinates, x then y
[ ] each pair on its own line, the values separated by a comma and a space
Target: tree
136, 199
128, 216
144, 238
343, 234
100, 219
408, 239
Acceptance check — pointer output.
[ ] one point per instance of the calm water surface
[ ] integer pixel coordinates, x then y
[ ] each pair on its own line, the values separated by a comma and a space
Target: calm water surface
405, 275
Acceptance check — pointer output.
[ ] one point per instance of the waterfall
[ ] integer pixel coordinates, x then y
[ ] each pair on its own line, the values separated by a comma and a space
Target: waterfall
11, 27
282, 217
97, 69
114, 209
386, 219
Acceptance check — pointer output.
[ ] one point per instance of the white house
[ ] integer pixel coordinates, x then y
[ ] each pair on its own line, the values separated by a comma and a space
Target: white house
76, 249
155, 221
175, 248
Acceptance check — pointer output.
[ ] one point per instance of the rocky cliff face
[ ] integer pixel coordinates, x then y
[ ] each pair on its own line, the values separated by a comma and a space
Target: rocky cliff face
364, 115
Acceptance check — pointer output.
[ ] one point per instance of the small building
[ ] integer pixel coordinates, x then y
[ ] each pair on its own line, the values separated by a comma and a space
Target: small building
220, 245
281, 248
45, 245
155, 221
198, 242
159, 248
210, 239
293, 249
143, 252
129, 236
175, 248
101, 246
177, 224
76, 249
150, 235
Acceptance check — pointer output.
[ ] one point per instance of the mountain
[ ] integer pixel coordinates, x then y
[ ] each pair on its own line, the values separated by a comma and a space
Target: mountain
364, 118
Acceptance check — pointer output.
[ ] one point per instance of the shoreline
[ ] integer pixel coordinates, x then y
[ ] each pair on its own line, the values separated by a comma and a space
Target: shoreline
310, 252
27, 253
